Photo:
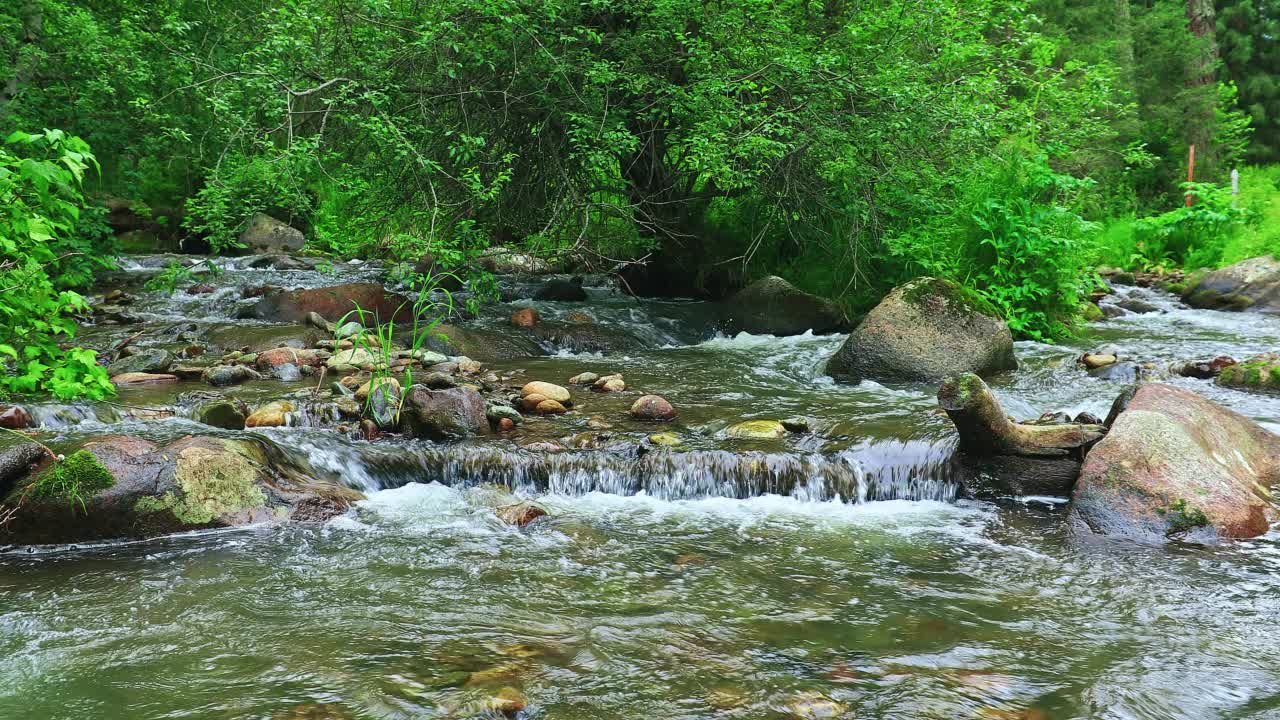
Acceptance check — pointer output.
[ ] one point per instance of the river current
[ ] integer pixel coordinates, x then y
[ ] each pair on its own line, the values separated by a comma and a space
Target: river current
833, 574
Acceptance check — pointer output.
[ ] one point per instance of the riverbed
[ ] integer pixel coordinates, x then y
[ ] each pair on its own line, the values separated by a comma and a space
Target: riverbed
836, 573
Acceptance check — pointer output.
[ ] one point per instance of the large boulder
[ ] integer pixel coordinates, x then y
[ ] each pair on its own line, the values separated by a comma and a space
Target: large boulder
442, 414
925, 330
483, 344
332, 304
149, 360
1175, 465
773, 306
265, 233
1252, 285
565, 290
128, 487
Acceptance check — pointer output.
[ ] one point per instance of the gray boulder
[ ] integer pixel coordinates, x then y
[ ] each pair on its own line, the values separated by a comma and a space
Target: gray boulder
1252, 285
150, 360
925, 330
442, 414
263, 232
773, 306
1176, 466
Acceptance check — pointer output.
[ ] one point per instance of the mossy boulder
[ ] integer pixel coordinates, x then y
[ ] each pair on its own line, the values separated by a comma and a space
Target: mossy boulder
150, 360
128, 487
1252, 285
926, 330
265, 233
1261, 372
484, 344
1176, 466
225, 414
773, 306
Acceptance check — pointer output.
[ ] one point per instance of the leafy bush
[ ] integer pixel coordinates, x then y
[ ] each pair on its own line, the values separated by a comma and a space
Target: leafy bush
274, 183
45, 253
1013, 235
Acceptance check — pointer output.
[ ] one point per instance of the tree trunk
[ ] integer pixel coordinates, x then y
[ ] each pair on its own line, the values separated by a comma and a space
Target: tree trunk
31, 15
1203, 100
1124, 45
985, 430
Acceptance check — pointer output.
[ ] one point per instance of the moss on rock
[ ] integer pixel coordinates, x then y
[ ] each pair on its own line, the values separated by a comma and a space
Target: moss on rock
212, 484
75, 478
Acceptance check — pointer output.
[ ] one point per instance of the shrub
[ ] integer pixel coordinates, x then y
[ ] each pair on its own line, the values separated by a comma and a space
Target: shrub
48, 247
1013, 235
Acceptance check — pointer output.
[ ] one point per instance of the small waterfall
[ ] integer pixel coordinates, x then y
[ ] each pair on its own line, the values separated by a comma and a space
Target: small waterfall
670, 475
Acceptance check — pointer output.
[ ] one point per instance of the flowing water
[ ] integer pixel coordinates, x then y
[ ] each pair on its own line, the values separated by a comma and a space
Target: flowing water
839, 573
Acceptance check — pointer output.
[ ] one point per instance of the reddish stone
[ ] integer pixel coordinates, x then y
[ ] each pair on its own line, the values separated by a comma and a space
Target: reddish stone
525, 318
14, 417
143, 379
369, 430
506, 425
334, 303
1174, 463
200, 289
287, 356
652, 407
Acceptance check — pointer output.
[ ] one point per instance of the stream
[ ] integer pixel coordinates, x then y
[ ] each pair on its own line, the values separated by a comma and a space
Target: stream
836, 573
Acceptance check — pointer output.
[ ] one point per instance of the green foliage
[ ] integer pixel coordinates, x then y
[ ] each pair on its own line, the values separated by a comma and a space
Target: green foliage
430, 306
167, 280
1013, 236
1247, 32
74, 478
1192, 236
44, 253
244, 185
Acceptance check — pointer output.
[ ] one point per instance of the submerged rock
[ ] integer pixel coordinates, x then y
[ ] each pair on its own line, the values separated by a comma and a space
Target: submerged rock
1260, 372
136, 488
586, 338
925, 330
442, 414
150, 360
263, 232
1252, 285
1176, 465
525, 318
652, 407
773, 306
757, 430
333, 304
